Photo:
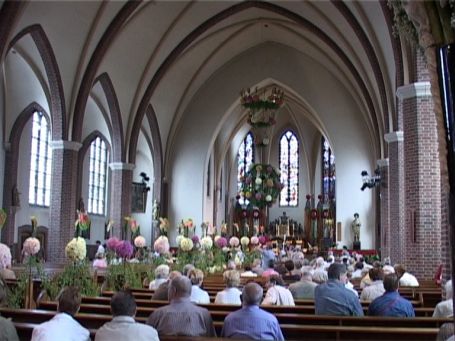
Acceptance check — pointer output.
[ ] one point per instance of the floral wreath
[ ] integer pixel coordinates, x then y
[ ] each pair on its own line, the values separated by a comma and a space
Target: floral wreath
261, 185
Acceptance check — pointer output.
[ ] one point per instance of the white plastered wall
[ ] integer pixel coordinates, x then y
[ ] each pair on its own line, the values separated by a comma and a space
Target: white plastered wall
340, 116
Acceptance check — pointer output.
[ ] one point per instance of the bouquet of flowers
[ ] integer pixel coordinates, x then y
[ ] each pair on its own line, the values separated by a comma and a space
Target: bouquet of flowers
132, 225
161, 245
31, 246
207, 243
76, 249
139, 242
5, 256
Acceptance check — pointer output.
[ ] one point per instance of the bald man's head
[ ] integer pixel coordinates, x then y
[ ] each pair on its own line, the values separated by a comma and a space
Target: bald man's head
252, 294
179, 287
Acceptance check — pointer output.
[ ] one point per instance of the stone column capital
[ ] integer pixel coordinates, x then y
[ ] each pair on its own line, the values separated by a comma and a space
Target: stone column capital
394, 136
382, 163
121, 166
418, 89
61, 144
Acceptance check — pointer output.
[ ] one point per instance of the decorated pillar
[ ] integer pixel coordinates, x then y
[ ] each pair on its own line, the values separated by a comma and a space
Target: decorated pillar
62, 211
397, 232
384, 242
120, 205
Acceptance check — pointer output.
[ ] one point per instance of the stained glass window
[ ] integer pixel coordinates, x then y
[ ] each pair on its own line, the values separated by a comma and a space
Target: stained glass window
245, 158
39, 191
289, 168
328, 171
97, 176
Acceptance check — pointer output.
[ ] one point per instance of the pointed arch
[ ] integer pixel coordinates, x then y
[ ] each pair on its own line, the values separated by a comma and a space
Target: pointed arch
117, 137
57, 98
157, 154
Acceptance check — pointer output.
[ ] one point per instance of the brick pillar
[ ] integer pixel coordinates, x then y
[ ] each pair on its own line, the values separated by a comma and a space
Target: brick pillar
62, 212
396, 196
423, 180
7, 233
120, 205
384, 243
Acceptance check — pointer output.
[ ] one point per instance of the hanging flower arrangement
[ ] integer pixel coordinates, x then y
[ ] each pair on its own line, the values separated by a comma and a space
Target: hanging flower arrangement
261, 185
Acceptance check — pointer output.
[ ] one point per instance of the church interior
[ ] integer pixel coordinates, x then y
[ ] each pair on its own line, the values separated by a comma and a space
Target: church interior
170, 109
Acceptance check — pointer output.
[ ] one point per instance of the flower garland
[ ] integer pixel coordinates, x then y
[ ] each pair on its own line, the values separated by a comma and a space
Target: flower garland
261, 185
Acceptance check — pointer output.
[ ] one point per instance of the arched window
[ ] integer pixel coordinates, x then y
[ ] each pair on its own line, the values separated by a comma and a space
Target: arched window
245, 159
289, 167
328, 171
97, 177
39, 191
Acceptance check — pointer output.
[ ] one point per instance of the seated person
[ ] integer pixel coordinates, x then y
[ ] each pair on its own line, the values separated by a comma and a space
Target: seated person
320, 274
186, 269
8, 332
303, 289
333, 298
348, 285
270, 270
256, 267
358, 267
391, 304
248, 272
181, 316
123, 326
100, 261
277, 293
198, 295
5, 263
230, 295
376, 288
161, 294
298, 264
289, 265
406, 279
251, 322
161, 275
445, 308
63, 326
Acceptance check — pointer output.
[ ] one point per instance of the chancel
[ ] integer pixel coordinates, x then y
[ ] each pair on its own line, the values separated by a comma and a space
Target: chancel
304, 141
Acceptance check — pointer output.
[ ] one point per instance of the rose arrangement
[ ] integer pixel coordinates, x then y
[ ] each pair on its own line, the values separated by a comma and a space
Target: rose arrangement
76, 249
261, 185
5, 256
31, 246
161, 245
139, 242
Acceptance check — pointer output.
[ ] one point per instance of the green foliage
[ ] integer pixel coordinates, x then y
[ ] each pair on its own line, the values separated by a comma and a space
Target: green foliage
16, 294
126, 275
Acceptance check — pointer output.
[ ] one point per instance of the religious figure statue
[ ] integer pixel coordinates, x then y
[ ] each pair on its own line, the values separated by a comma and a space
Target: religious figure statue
355, 226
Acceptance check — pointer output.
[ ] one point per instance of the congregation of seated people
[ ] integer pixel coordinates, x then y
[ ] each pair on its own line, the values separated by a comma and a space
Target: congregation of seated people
326, 282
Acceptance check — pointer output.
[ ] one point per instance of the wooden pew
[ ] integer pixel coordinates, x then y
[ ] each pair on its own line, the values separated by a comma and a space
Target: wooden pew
290, 331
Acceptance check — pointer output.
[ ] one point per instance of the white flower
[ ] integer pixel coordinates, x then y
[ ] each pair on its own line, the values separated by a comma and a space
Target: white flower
245, 241
5, 256
179, 239
234, 241
258, 181
76, 249
186, 244
225, 249
139, 241
268, 198
31, 246
254, 240
207, 242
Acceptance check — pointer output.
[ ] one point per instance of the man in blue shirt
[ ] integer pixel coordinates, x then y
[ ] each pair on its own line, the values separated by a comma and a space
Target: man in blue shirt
251, 322
391, 303
332, 298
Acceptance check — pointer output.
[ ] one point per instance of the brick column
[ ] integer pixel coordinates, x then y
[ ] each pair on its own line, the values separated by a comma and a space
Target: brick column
423, 180
120, 205
396, 196
384, 243
62, 211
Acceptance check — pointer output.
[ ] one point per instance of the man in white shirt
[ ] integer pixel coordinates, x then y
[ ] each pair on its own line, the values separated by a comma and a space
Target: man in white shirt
100, 249
445, 308
406, 279
123, 326
63, 326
